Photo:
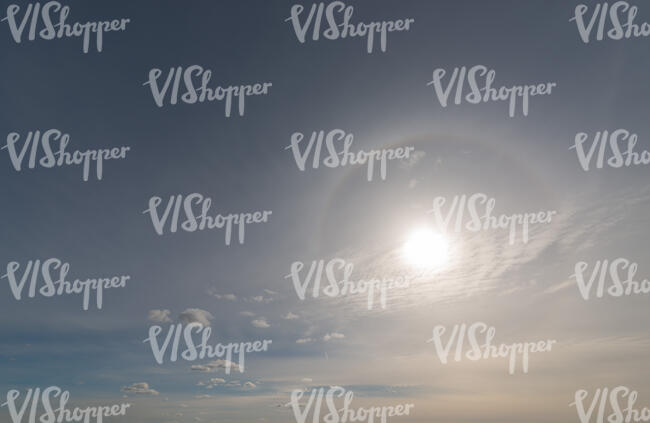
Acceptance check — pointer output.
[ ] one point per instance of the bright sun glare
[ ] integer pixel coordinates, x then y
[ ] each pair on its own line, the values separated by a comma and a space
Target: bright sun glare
426, 248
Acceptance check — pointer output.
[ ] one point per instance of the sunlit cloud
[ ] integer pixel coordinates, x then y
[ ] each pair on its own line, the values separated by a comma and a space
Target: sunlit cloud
195, 315
140, 388
159, 316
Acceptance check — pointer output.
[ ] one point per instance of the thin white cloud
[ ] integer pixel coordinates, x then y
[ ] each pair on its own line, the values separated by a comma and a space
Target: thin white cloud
140, 388
291, 316
559, 287
261, 299
214, 382
333, 335
215, 294
260, 323
213, 366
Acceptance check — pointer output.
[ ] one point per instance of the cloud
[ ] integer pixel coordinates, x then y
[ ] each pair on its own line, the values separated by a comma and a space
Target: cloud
484, 263
413, 159
559, 287
192, 315
306, 380
213, 366
589, 223
304, 340
238, 385
333, 335
247, 313
291, 316
139, 388
214, 382
229, 297
159, 316
261, 298
260, 323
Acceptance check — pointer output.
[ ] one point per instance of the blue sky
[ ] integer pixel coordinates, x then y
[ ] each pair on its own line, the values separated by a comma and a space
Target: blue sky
524, 290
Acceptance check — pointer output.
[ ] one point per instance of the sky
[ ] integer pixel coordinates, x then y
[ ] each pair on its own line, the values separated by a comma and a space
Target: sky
244, 292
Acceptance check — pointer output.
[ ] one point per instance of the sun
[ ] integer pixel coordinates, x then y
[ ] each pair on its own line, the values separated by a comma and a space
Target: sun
426, 248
